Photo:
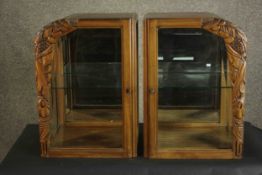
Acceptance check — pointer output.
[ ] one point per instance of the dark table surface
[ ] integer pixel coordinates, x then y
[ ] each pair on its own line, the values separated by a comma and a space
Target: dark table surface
23, 158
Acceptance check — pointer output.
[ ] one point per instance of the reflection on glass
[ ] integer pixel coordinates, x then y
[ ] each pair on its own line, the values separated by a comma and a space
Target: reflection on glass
194, 90
95, 68
87, 87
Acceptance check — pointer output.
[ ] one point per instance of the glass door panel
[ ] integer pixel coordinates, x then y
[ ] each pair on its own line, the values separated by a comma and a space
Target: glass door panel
90, 88
194, 90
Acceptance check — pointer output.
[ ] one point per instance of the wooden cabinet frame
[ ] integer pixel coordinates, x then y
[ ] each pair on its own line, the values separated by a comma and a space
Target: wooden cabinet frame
48, 53
235, 42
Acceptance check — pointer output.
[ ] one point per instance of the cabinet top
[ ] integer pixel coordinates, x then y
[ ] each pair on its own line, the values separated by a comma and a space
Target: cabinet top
83, 16
180, 15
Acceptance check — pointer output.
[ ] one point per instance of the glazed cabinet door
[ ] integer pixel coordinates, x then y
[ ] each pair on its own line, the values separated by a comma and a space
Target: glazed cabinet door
188, 91
93, 91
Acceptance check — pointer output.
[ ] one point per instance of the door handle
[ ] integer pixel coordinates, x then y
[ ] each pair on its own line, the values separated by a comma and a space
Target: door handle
152, 91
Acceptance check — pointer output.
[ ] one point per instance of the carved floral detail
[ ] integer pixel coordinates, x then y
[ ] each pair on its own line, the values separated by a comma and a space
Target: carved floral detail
45, 42
235, 41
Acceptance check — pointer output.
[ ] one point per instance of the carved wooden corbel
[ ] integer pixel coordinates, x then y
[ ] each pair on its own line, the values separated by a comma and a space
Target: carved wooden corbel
45, 42
235, 41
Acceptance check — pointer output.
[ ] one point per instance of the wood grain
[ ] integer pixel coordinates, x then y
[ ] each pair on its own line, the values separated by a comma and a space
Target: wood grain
193, 138
188, 115
88, 138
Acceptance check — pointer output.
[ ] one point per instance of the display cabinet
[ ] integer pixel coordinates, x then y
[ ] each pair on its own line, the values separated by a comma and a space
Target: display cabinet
86, 86
194, 86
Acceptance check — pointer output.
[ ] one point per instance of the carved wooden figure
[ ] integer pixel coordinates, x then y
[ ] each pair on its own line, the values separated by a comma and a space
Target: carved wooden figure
86, 86
194, 86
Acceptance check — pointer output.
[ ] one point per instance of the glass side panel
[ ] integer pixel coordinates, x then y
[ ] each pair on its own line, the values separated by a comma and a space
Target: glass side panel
194, 90
87, 85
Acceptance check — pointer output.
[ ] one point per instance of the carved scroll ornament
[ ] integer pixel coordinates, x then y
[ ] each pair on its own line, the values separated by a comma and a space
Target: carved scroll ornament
45, 42
235, 41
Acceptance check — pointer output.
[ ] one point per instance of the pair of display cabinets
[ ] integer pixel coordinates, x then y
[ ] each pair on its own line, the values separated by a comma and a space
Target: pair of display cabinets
86, 76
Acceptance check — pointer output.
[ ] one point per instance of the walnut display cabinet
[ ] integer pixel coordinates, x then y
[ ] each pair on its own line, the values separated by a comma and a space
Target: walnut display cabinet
86, 86
194, 86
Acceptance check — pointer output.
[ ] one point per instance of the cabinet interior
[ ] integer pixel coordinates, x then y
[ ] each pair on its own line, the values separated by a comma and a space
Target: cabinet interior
194, 90
87, 90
